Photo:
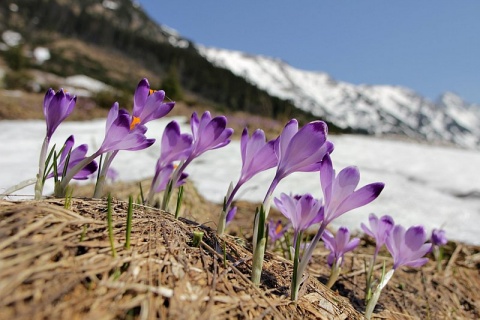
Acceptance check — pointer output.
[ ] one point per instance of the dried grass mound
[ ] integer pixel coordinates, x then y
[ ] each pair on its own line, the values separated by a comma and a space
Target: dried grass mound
57, 263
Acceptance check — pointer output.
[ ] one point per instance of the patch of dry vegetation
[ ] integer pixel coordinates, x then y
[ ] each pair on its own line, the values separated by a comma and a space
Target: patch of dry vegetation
57, 263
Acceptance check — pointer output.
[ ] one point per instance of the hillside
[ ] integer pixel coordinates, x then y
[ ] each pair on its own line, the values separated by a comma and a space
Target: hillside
371, 109
117, 43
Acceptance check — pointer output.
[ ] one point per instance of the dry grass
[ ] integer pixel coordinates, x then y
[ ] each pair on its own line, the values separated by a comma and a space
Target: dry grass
57, 263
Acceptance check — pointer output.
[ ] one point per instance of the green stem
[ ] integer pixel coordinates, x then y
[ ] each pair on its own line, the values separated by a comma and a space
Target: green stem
179, 202
376, 295
336, 269
257, 264
110, 225
41, 169
102, 177
296, 259
60, 187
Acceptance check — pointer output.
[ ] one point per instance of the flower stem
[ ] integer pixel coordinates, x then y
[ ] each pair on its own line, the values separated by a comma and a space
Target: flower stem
41, 169
222, 220
259, 248
295, 279
373, 301
61, 186
333, 275
103, 174
308, 254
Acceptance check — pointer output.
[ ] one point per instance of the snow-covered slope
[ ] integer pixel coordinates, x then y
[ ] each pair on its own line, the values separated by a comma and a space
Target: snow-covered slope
374, 109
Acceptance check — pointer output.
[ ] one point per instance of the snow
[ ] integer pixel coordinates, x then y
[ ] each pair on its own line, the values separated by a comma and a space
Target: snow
83, 85
11, 38
112, 5
429, 185
41, 54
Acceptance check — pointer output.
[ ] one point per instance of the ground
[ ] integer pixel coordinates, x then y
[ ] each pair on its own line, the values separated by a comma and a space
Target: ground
56, 262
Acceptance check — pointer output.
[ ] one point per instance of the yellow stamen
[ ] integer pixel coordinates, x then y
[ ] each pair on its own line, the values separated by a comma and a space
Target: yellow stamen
134, 123
151, 91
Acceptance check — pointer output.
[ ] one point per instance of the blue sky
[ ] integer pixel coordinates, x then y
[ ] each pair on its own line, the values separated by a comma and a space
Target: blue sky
430, 46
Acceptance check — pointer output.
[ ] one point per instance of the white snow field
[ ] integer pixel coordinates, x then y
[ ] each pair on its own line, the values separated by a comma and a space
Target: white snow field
429, 185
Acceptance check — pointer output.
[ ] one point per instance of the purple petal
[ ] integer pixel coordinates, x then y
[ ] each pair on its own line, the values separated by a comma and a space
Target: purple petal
327, 176
352, 244
194, 124
342, 237
112, 115
304, 149
231, 214
290, 129
140, 97
243, 144
359, 198
417, 263
154, 108
415, 237
438, 237
56, 108
174, 146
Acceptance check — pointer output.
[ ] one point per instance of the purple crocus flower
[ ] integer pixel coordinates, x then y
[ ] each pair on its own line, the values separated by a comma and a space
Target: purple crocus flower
208, 133
148, 104
257, 154
276, 230
301, 211
175, 145
300, 150
339, 190
118, 135
339, 245
112, 174
56, 107
438, 237
379, 229
163, 175
408, 247
76, 155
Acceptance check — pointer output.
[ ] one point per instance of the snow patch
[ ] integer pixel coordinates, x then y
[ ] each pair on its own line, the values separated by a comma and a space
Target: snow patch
11, 38
41, 54
109, 4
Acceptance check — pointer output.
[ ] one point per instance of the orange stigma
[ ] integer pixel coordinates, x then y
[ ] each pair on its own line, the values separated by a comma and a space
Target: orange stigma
151, 91
135, 121
278, 229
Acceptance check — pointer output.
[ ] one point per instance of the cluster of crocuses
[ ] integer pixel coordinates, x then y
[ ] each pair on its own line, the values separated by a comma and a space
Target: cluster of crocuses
123, 131
304, 149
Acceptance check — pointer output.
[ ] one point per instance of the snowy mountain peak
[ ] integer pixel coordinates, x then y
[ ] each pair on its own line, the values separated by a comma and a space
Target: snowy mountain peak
373, 109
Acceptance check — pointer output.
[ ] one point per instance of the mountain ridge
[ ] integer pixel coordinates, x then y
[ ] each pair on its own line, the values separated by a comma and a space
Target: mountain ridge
372, 109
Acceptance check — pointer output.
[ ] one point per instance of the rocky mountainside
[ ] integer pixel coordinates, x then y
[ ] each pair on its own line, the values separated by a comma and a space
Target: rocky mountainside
372, 109
116, 42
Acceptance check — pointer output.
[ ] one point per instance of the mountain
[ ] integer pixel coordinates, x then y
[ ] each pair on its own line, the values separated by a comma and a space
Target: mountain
117, 43
372, 109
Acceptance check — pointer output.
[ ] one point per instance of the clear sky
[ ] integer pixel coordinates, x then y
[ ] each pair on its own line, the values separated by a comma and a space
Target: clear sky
430, 46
